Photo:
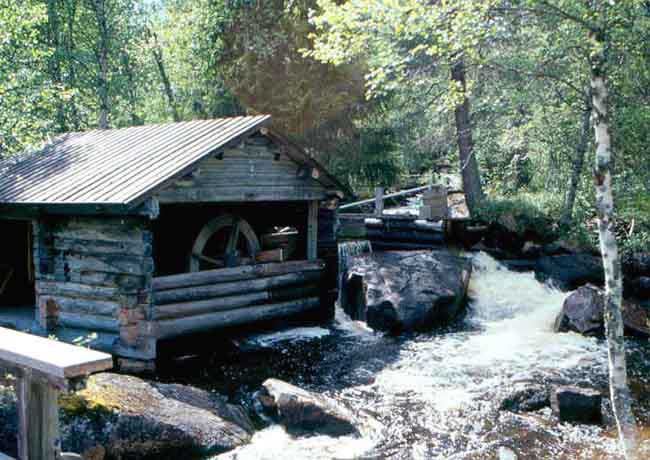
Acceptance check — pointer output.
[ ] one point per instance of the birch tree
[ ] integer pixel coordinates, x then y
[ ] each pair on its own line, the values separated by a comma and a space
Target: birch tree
600, 21
619, 389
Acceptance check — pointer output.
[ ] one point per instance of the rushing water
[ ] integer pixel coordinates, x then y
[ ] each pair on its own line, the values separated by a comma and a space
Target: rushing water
437, 395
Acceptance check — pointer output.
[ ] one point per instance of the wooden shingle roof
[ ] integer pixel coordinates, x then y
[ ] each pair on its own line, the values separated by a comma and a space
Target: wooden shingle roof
116, 167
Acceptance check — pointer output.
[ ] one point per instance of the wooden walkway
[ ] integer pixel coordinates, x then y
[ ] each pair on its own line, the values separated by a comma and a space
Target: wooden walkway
402, 228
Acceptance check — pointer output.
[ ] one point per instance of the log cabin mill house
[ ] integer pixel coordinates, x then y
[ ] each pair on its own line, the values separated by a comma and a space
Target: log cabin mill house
149, 233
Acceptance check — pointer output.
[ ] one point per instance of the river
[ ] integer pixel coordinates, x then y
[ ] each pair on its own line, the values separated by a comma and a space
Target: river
434, 395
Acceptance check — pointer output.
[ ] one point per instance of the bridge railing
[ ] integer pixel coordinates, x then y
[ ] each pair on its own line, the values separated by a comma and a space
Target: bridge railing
43, 369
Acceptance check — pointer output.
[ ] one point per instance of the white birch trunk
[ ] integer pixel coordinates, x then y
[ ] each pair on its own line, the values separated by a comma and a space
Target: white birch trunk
619, 389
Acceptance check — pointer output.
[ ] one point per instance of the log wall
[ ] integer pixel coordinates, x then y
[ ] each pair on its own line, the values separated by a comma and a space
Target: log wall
200, 301
95, 274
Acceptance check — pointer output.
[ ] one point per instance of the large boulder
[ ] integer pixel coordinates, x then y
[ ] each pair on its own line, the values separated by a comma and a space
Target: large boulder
396, 291
125, 417
569, 271
583, 312
577, 405
303, 412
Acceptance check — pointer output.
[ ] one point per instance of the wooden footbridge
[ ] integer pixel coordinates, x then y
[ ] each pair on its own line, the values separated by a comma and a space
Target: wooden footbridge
440, 218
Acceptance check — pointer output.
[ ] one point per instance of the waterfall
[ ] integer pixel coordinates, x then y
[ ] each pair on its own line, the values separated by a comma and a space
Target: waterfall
347, 250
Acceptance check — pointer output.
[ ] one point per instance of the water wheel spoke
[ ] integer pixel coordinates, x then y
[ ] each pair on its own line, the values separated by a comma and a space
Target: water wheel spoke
233, 238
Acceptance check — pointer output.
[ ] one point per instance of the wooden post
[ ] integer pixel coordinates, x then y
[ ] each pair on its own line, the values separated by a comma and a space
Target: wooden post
379, 201
38, 419
312, 230
43, 368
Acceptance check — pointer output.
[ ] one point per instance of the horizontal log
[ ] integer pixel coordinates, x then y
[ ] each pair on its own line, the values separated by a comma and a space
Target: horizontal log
86, 306
183, 309
399, 245
180, 326
90, 322
100, 231
130, 265
121, 280
90, 246
388, 224
225, 275
294, 292
407, 236
235, 287
78, 290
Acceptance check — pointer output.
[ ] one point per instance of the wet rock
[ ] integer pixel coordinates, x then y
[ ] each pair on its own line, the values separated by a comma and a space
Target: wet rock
504, 236
577, 405
519, 265
570, 271
582, 312
637, 287
127, 417
304, 412
397, 291
526, 398
637, 264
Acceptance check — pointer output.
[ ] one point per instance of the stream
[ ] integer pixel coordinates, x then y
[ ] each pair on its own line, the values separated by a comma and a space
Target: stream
433, 395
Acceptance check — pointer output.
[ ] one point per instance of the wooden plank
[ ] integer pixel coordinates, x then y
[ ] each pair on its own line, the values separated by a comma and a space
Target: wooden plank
244, 193
50, 357
235, 274
224, 289
312, 230
181, 326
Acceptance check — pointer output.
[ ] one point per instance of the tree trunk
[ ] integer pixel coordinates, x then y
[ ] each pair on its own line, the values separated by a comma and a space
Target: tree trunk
53, 32
102, 59
578, 164
619, 389
157, 53
71, 13
468, 164
131, 90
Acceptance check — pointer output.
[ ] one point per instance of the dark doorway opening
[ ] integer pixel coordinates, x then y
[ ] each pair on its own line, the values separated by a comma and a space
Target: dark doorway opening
16, 264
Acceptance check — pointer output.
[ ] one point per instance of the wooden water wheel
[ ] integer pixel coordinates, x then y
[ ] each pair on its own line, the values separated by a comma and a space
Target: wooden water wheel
225, 241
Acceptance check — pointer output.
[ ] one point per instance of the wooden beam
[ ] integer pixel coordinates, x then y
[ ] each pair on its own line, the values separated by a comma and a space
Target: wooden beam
50, 357
38, 419
181, 326
179, 310
231, 288
379, 201
235, 274
312, 230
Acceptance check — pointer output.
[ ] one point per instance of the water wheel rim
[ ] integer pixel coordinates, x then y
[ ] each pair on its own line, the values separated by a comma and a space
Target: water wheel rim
217, 224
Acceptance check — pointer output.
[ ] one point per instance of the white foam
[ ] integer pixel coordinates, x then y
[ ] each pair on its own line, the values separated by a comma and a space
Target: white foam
298, 334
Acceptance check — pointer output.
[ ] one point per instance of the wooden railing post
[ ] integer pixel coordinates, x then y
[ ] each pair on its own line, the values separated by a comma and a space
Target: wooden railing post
379, 201
43, 368
38, 419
